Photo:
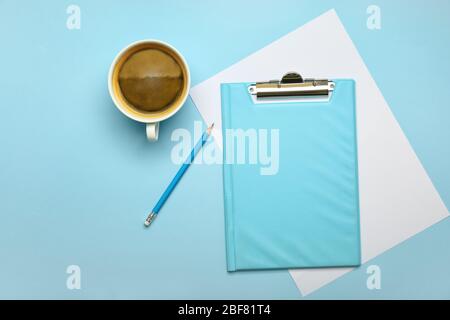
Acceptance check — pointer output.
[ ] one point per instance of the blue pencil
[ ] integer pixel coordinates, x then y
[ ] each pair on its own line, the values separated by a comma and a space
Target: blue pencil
178, 176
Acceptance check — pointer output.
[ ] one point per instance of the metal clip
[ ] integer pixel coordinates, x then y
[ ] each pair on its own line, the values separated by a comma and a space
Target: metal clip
292, 84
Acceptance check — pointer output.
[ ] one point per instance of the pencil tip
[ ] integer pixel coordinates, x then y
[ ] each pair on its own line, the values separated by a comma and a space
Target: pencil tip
210, 128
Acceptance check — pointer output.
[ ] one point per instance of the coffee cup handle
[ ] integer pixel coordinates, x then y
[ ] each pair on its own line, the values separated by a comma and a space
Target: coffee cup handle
152, 130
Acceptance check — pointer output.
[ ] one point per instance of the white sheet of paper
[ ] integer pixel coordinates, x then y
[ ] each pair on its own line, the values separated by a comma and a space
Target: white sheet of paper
397, 198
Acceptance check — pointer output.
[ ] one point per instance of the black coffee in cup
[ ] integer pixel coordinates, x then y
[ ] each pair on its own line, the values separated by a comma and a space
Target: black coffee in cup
151, 79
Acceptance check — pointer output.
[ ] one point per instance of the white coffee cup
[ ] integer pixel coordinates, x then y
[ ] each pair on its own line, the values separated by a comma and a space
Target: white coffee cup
152, 119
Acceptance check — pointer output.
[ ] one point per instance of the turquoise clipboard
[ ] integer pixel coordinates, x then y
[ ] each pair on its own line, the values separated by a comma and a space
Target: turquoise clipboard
306, 215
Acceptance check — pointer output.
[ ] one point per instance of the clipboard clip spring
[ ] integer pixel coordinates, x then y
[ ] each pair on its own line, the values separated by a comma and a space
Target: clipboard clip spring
292, 84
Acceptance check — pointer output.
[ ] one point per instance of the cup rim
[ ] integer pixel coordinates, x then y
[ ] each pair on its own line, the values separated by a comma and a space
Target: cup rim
139, 118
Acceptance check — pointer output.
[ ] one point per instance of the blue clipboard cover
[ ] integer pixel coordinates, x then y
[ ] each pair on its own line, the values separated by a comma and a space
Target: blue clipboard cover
301, 209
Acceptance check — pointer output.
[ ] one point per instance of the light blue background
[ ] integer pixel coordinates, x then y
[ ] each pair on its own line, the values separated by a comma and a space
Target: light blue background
77, 178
